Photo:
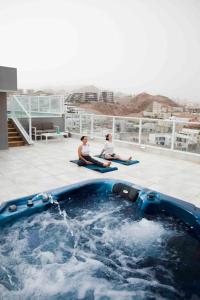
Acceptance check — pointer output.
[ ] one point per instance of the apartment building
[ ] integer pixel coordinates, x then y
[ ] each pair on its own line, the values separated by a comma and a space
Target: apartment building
106, 96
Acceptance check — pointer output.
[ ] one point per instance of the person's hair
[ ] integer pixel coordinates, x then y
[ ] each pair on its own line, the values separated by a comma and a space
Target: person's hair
82, 138
107, 136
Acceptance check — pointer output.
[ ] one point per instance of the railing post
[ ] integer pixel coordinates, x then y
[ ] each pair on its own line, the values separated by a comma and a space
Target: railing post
38, 104
80, 123
92, 126
173, 134
64, 115
30, 119
30, 128
140, 132
63, 104
12, 106
29, 105
113, 128
50, 103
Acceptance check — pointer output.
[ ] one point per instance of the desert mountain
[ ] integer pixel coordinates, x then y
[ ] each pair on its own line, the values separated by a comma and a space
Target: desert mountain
129, 105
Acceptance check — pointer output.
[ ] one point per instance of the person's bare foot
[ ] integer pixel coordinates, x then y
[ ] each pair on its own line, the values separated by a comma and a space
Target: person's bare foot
107, 164
129, 158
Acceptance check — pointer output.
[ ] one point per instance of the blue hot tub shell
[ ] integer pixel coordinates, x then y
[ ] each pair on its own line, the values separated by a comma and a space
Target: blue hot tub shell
150, 202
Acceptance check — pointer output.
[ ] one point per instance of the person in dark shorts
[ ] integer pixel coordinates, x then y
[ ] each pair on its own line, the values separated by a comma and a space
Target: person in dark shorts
108, 150
84, 155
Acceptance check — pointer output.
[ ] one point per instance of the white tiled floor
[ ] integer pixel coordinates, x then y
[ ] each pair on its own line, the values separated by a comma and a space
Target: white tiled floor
37, 168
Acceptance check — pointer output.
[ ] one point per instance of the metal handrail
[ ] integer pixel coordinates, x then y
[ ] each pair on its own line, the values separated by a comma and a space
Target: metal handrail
28, 137
139, 118
22, 130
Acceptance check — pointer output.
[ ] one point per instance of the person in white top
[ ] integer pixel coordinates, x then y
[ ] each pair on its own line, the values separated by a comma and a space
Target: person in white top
84, 155
108, 150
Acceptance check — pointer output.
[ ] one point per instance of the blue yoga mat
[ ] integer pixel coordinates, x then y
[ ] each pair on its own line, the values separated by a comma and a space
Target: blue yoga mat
125, 163
96, 168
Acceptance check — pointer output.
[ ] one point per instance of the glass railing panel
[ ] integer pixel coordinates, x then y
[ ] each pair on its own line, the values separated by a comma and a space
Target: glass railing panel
44, 104
86, 124
41, 105
18, 113
56, 104
34, 103
187, 137
24, 101
72, 123
102, 125
157, 133
127, 129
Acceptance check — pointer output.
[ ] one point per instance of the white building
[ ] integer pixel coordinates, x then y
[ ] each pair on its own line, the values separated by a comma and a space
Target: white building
158, 110
161, 139
189, 137
177, 109
186, 139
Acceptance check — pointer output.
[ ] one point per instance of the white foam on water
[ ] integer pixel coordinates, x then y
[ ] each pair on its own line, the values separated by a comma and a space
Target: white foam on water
143, 232
61, 263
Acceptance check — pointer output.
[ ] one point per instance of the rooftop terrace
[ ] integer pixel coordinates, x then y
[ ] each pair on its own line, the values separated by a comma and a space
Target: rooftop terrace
43, 166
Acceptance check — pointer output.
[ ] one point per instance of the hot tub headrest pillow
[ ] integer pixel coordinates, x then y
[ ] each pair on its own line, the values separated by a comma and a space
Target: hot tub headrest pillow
125, 191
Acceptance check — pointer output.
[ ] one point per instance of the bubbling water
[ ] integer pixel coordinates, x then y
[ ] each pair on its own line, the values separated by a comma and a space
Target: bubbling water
103, 250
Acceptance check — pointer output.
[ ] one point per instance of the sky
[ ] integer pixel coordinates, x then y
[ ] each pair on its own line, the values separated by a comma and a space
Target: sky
131, 46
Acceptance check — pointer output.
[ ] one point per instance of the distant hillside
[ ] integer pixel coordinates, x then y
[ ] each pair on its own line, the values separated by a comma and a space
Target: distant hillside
128, 106
115, 109
142, 101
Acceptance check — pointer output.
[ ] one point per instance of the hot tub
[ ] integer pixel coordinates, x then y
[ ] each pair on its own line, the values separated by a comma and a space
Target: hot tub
100, 239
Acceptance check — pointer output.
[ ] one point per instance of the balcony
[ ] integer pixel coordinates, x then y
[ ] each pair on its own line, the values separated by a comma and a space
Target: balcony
170, 166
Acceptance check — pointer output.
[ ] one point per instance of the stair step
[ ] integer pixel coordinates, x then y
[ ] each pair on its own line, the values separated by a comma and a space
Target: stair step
13, 133
10, 134
16, 143
12, 130
15, 138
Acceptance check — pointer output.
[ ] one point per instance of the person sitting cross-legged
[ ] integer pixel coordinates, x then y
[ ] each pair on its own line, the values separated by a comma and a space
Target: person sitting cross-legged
84, 155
